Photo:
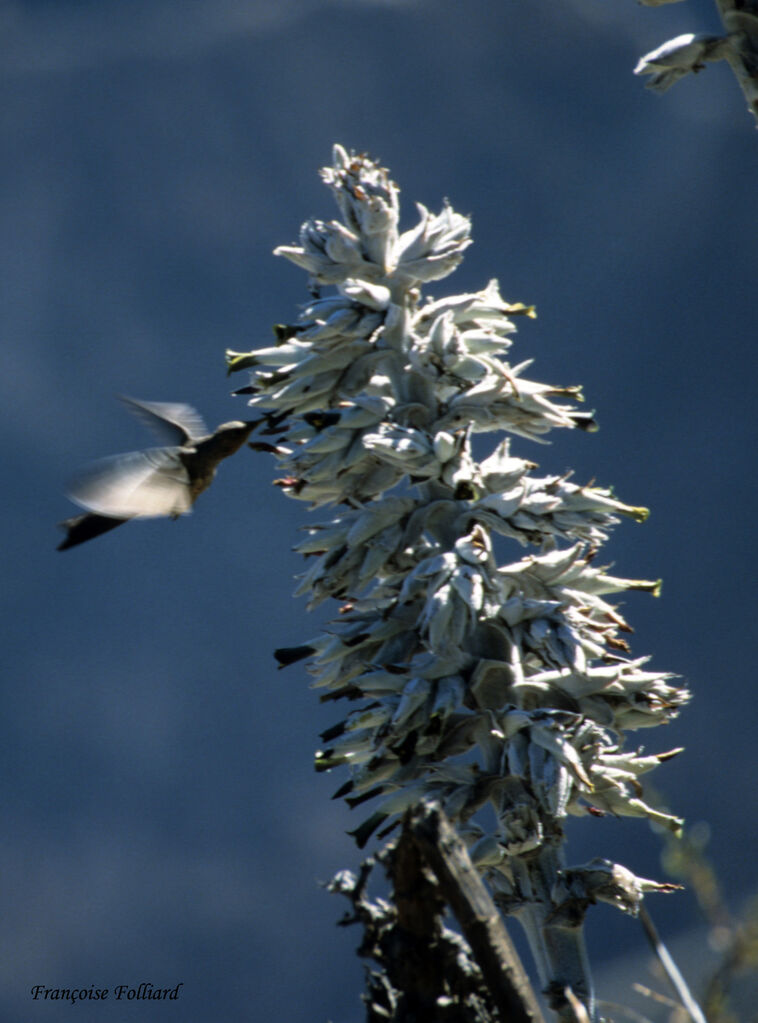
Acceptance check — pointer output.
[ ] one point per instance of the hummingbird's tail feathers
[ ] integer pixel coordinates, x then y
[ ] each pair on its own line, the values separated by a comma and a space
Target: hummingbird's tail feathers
86, 527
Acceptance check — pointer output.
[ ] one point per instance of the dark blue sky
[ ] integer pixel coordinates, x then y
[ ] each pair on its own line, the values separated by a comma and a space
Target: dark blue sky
162, 821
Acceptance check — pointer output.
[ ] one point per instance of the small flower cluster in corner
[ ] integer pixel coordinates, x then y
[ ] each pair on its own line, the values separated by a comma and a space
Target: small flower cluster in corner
467, 681
690, 52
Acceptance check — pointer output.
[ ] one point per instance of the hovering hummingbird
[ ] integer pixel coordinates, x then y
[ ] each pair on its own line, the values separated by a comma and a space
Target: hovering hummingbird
158, 481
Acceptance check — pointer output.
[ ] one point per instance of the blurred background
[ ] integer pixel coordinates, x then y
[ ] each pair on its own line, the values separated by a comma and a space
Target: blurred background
162, 821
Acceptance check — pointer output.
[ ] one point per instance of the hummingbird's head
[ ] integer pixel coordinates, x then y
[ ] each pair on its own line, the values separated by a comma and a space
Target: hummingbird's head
231, 436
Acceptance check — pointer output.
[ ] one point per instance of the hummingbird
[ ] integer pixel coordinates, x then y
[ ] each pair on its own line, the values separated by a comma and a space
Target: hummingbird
163, 481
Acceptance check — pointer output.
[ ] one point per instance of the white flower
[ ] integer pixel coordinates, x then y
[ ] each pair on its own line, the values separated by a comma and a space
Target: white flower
678, 57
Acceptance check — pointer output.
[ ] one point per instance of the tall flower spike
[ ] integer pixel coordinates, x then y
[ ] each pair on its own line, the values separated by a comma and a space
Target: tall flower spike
468, 681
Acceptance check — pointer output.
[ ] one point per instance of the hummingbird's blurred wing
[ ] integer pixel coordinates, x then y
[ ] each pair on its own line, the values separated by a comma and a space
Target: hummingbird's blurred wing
141, 483
173, 422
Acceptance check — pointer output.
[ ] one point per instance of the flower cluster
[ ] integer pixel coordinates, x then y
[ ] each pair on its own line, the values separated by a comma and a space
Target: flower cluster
468, 681
689, 53
679, 57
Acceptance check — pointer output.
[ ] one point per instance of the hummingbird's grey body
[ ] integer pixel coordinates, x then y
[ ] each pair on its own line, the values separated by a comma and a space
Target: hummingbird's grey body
156, 482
